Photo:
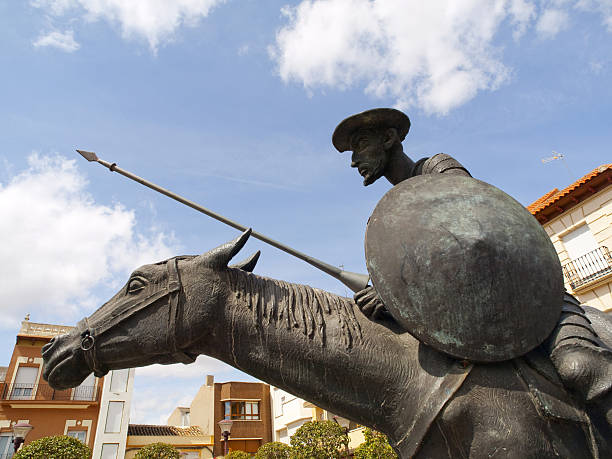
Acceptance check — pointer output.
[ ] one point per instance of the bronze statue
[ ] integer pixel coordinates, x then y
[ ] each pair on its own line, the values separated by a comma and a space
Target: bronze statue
583, 362
552, 402
320, 347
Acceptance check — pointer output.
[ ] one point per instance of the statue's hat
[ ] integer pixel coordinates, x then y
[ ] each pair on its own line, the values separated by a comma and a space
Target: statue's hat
375, 118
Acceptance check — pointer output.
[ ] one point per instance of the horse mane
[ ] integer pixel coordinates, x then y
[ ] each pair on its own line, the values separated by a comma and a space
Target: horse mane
293, 306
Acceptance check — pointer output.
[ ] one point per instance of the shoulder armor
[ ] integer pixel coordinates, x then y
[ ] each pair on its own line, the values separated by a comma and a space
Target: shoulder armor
442, 163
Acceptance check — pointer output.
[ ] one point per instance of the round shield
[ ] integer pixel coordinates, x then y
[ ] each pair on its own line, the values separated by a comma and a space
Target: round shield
464, 267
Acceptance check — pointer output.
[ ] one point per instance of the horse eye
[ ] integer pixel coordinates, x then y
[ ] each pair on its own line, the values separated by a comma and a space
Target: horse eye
136, 284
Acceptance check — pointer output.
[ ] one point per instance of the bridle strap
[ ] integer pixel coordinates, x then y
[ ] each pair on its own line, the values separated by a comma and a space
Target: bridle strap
172, 290
88, 346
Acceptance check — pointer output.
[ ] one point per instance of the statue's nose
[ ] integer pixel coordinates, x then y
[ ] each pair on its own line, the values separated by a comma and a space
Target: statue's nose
47, 347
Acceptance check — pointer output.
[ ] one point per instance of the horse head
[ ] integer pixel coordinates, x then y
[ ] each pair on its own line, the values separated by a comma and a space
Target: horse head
145, 321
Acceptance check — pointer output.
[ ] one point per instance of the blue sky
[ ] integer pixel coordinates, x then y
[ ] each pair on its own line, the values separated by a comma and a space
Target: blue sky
232, 104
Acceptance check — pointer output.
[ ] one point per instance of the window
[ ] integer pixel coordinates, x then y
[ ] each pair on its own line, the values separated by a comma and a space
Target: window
85, 391
185, 418
6, 445
24, 383
80, 435
579, 242
248, 411
119, 380
589, 261
109, 450
113, 417
279, 400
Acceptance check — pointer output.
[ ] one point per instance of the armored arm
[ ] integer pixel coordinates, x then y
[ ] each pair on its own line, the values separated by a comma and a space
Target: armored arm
440, 164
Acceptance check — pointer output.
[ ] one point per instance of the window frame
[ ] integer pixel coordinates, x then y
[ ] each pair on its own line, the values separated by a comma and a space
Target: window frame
242, 410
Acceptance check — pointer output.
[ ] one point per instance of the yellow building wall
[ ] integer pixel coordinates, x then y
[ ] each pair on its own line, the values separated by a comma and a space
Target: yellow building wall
204, 444
597, 213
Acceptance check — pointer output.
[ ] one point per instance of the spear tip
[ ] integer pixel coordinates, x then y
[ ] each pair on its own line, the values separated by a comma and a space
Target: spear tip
88, 155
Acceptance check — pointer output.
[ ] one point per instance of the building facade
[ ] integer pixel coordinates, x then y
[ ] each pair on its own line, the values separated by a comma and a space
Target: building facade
289, 413
578, 220
192, 442
86, 412
26, 397
247, 404
115, 404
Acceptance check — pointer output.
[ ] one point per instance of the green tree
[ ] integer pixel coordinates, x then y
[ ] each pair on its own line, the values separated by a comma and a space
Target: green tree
273, 450
238, 455
57, 447
157, 451
376, 445
319, 440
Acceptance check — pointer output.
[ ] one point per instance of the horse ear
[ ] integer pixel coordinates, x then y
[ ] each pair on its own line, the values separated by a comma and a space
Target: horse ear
221, 256
248, 264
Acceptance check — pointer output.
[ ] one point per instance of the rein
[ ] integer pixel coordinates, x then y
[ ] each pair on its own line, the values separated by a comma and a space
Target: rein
91, 334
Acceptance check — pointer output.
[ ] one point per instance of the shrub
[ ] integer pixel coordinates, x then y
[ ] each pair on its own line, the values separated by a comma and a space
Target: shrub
238, 455
273, 450
57, 447
319, 440
376, 445
157, 451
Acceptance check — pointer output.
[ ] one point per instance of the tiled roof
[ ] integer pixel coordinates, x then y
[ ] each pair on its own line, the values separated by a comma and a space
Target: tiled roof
164, 431
554, 196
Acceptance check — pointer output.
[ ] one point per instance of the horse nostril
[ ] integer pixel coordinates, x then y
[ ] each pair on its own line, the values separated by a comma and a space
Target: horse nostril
47, 347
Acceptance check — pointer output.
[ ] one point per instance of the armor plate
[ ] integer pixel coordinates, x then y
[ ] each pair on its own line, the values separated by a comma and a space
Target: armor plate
464, 267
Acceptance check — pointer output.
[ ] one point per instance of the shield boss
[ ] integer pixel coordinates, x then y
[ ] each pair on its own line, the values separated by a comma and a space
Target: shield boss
464, 267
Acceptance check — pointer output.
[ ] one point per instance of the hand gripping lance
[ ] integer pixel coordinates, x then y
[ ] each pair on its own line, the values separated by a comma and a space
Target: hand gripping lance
354, 281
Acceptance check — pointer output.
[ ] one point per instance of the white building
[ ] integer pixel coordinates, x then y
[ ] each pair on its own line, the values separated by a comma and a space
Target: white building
116, 400
289, 413
578, 220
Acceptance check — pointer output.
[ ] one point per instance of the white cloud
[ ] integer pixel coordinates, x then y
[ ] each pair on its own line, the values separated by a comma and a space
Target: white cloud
155, 387
551, 22
436, 55
604, 7
153, 20
433, 55
63, 41
202, 366
59, 244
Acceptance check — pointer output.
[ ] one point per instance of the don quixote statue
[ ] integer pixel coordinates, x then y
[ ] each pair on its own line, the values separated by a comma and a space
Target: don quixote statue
464, 346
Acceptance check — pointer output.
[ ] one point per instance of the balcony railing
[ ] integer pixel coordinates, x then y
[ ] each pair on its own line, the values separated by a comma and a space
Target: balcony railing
588, 267
43, 392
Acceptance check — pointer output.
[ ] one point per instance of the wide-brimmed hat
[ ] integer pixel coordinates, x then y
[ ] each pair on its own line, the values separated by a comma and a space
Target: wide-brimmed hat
375, 118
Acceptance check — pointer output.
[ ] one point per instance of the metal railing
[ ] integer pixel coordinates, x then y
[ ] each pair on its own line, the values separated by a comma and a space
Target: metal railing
43, 392
588, 267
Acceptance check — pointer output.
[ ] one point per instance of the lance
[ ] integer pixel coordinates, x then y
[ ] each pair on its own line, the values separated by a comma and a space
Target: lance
354, 281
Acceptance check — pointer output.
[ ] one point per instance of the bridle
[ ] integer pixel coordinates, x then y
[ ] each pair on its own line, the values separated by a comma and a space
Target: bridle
90, 335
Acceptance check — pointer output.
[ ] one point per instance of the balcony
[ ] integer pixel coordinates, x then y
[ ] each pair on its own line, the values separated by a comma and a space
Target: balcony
588, 268
44, 392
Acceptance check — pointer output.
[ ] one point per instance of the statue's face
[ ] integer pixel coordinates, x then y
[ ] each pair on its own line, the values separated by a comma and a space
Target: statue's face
369, 155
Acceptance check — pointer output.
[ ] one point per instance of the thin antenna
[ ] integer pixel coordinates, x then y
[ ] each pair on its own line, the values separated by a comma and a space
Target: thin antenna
552, 158
560, 157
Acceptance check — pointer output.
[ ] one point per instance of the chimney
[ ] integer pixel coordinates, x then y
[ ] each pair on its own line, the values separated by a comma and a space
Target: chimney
210, 380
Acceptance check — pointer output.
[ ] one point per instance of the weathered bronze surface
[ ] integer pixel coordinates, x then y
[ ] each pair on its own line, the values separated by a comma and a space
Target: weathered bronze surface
554, 401
464, 267
320, 347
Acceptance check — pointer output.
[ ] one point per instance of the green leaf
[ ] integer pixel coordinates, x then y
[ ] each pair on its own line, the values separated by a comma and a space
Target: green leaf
157, 451
56, 447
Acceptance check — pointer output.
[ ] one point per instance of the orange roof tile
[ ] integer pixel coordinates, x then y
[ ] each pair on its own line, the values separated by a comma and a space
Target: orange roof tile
555, 195
164, 431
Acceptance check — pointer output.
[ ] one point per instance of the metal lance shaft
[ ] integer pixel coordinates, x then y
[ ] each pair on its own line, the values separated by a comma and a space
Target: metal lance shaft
354, 281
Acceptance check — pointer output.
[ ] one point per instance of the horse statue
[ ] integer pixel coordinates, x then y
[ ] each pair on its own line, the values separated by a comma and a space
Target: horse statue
320, 347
